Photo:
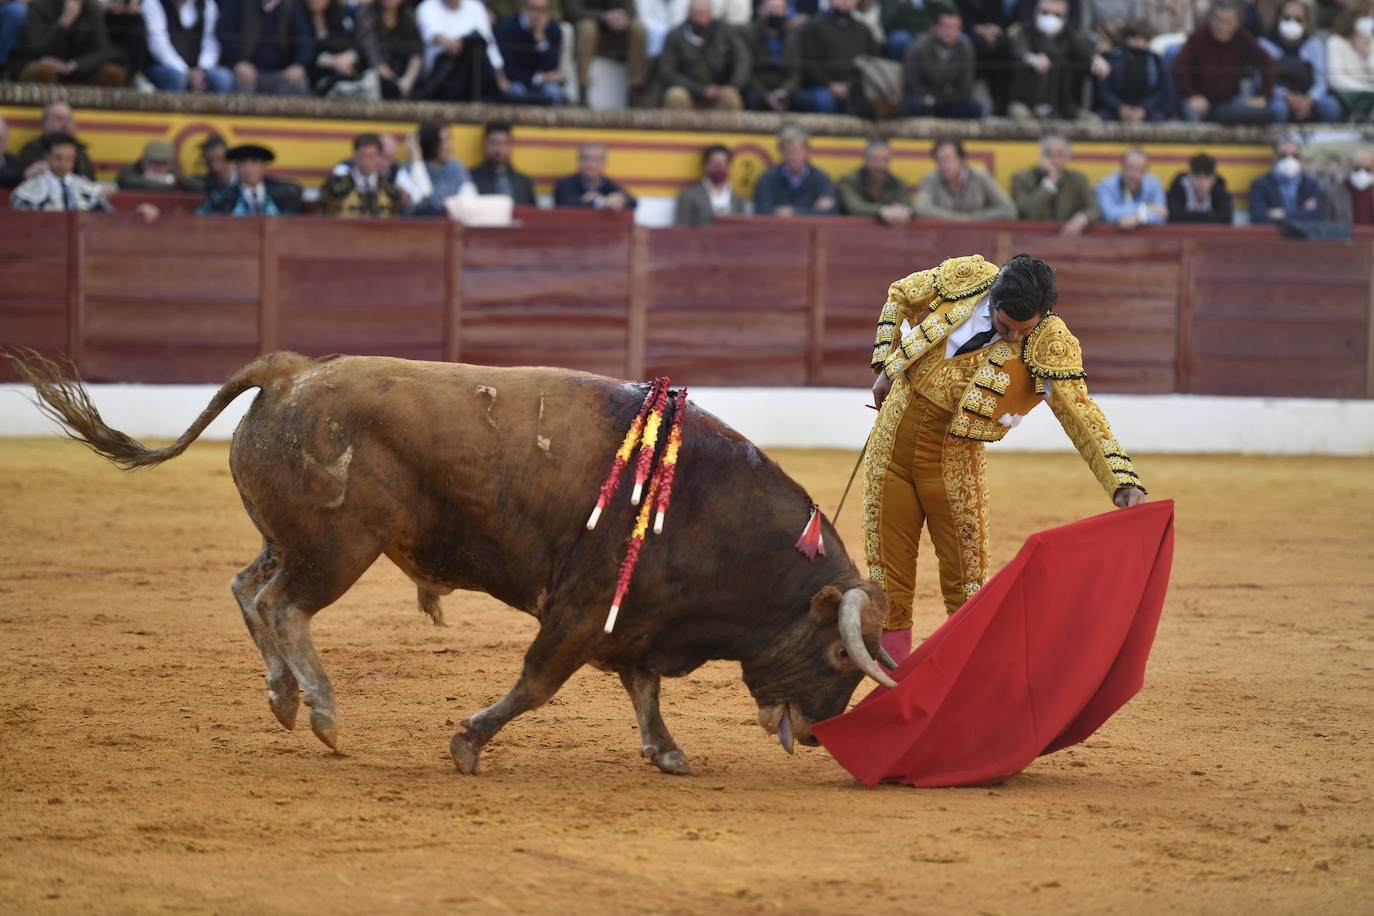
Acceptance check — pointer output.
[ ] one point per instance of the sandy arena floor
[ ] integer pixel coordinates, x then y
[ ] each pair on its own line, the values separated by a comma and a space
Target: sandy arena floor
141, 771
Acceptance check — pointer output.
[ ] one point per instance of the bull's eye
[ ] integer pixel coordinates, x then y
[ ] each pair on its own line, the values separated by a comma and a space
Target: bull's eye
843, 653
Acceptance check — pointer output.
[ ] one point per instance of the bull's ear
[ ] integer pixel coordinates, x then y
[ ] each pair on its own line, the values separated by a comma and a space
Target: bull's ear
825, 605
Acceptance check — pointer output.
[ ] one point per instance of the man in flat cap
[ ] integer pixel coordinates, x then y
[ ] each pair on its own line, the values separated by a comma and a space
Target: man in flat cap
155, 170
252, 192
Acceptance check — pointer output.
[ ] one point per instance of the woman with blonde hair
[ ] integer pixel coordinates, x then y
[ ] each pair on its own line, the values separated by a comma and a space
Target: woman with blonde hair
1350, 60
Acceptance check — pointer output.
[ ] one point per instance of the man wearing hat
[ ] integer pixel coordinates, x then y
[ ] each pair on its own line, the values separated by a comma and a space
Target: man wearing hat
154, 171
252, 192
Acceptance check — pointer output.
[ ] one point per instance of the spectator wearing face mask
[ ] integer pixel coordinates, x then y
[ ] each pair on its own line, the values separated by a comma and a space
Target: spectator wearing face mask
702, 201
1351, 201
1052, 61
1137, 88
1301, 93
775, 61
1286, 192
1200, 195
1350, 61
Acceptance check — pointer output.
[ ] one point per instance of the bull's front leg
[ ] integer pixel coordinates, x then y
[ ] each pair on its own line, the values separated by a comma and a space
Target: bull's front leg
659, 746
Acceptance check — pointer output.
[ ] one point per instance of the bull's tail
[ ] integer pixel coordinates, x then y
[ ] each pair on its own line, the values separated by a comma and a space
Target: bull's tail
63, 398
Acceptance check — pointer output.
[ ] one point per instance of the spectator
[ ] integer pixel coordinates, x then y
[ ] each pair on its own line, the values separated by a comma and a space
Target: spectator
155, 170
337, 64
1217, 69
185, 52
1106, 20
65, 41
1259, 17
589, 186
433, 172
735, 13
1052, 191
955, 190
124, 23
702, 201
830, 43
390, 41
267, 44
775, 61
987, 22
1200, 195
608, 28
1301, 93
1286, 191
11, 171
214, 154
531, 44
794, 187
252, 192
1351, 201
12, 16
462, 60
58, 118
1132, 197
58, 187
1171, 17
496, 175
1137, 87
364, 191
872, 189
1350, 61
939, 69
704, 63
659, 17
1053, 59
904, 21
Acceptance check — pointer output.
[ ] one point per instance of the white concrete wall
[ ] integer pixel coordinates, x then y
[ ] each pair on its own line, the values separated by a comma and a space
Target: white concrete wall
837, 418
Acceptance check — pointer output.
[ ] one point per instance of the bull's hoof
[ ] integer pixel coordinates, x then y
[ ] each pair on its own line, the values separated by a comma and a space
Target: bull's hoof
284, 705
673, 762
464, 754
322, 724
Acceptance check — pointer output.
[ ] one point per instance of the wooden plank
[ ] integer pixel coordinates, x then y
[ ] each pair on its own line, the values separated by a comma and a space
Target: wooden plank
637, 320
146, 362
76, 289
550, 248
1369, 323
1187, 292
815, 305
1278, 378
1250, 302
173, 235
269, 278
166, 279
1248, 259
486, 288
1281, 340
726, 247
406, 241
28, 279
453, 293
189, 324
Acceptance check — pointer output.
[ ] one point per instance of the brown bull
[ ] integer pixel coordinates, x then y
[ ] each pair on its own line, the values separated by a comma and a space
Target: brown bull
482, 478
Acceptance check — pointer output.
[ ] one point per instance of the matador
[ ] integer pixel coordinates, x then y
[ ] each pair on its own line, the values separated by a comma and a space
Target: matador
983, 349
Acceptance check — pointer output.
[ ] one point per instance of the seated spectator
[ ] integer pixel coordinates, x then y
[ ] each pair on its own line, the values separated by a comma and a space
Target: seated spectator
462, 60
364, 191
11, 171
338, 63
1286, 191
389, 38
794, 187
589, 186
496, 175
65, 41
155, 170
986, 23
1351, 200
1106, 20
1132, 197
124, 23
1136, 87
904, 21
252, 192
268, 45
531, 44
704, 64
1259, 17
1301, 93
1200, 195
702, 201
12, 16
214, 155
955, 190
1052, 61
433, 172
58, 118
58, 187
185, 52
775, 61
939, 68
608, 28
659, 17
1350, 60
1053, 192
1222, 74
872, 189
830, 42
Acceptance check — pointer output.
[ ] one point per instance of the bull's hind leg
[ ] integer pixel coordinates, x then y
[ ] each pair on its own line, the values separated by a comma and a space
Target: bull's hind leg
659, 746
282, 688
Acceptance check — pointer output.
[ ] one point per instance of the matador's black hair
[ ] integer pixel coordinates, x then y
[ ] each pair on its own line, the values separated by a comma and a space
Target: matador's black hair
1024, 288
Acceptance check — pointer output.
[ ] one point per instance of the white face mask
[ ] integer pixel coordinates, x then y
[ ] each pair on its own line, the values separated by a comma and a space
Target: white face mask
1049, 24
1361, 179
1364, 26
1288, 167
1290, 30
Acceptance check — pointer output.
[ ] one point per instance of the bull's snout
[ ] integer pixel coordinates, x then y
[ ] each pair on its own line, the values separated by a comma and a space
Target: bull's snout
787, 723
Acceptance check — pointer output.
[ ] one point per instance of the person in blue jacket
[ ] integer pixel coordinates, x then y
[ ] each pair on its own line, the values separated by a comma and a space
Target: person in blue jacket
1138, 87
1285, 192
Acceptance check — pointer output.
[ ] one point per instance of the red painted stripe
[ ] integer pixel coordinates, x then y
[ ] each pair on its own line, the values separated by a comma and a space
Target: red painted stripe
294, 133
88, 126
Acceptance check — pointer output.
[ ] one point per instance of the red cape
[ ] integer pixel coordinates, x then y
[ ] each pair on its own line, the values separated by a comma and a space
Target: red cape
1037, 660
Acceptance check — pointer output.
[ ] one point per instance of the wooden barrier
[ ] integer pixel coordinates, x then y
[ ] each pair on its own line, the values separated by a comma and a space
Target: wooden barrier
746, 302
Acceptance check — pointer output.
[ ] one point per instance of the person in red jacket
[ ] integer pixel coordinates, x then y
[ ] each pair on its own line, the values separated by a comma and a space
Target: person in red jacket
1222, 73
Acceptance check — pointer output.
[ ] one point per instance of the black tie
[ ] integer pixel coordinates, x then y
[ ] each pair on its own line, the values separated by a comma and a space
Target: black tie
977, 341
67, 202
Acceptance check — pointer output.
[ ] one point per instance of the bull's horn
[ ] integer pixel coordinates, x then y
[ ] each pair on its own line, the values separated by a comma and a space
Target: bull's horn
887, 661
851, 633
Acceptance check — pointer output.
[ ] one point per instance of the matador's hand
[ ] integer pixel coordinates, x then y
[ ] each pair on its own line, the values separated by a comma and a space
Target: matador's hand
880, 389
1129, 496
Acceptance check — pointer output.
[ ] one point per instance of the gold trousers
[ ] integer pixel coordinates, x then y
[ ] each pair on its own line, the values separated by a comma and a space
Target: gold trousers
934, 480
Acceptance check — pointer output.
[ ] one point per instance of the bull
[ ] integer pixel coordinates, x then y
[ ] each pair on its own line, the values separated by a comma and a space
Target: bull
481, 478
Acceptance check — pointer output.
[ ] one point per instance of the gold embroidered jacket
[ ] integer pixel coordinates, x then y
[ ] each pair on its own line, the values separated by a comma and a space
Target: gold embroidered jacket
1010, 379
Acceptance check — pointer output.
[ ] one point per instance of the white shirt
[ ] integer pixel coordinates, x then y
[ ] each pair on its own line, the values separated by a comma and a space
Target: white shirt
436, 19
160, 41
720, 200
978, 322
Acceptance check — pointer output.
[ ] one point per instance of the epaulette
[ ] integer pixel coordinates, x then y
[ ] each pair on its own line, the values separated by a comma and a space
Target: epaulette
1051, 351
959, 278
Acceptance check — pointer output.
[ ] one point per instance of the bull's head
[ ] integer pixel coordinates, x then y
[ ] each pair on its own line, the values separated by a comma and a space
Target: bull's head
810, 672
